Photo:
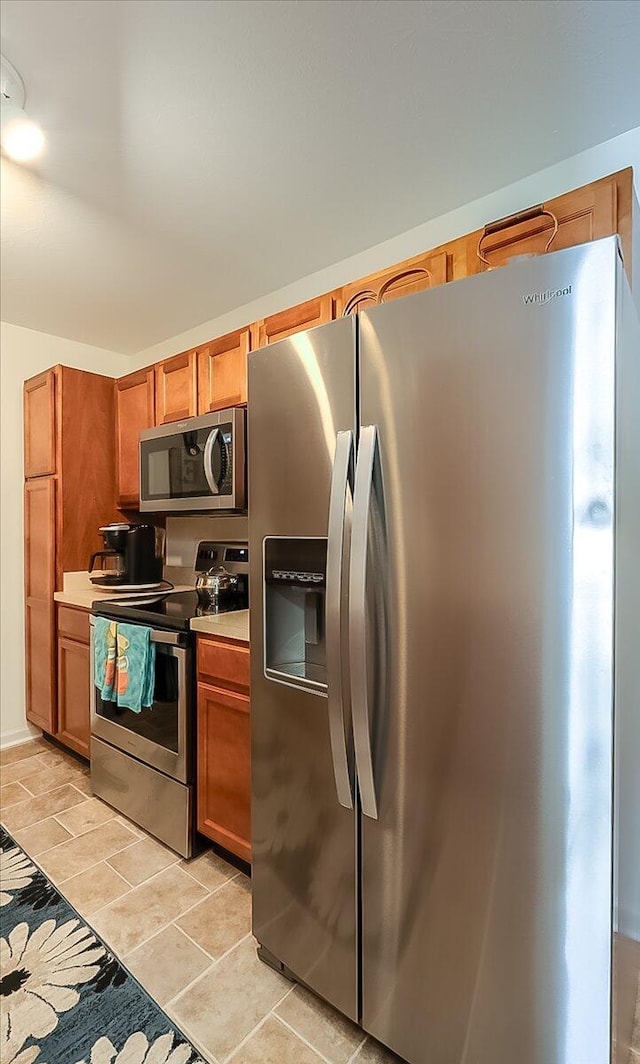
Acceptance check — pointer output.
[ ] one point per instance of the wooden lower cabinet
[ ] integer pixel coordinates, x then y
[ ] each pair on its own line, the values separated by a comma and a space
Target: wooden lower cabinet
39, 586
74, 682
41, 667
224, 756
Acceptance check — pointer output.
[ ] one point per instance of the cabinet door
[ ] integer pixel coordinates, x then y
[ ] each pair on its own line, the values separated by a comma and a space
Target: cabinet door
40, 425
585, 214
135, 411
176, 388
73, 693
403, 279
222, 371
39, 533
296, 319
224, 769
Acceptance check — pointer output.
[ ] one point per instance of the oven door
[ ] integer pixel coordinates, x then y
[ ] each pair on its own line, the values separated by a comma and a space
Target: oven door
161, 734
198, 464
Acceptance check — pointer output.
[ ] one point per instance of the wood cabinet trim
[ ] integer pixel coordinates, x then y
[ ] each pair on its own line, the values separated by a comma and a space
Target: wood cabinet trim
227, 692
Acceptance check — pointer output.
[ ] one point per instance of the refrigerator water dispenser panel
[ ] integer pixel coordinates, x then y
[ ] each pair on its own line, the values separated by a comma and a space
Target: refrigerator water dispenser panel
295, 577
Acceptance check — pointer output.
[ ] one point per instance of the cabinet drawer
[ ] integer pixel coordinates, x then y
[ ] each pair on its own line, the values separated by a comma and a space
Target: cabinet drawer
225, 664
74, 623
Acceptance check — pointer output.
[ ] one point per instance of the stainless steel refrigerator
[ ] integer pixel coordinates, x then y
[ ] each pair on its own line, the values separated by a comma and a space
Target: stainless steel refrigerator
444, 515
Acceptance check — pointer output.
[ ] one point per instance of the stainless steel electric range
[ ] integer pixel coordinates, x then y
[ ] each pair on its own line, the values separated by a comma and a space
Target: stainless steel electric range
143, 764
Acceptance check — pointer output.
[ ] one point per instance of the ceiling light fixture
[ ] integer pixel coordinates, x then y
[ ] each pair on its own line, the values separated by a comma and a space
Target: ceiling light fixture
21, 138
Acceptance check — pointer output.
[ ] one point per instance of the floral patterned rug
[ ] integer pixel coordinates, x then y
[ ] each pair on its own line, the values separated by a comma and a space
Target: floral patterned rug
64, 998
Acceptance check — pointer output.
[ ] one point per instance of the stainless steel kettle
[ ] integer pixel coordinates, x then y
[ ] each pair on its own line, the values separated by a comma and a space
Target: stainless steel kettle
216, 584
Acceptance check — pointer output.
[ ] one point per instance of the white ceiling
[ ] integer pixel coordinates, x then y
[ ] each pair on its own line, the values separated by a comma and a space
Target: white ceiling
202, 153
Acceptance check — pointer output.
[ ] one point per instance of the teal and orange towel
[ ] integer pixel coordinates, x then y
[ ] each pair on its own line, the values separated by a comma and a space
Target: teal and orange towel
124, 663
104, 657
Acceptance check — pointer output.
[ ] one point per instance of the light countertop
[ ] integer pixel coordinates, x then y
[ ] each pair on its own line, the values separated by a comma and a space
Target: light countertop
234, 625
78, 591
81, 597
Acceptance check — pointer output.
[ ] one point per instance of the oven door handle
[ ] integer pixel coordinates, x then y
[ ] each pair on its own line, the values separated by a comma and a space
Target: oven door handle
170, 638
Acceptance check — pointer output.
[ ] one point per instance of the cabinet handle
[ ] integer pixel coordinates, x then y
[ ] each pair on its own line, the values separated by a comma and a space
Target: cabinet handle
538, 211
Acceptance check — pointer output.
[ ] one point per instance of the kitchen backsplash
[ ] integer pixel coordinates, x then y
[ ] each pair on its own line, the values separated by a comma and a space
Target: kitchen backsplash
184, 534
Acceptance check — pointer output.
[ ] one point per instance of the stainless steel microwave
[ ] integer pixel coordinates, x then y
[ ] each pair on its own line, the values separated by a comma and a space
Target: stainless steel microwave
195, 465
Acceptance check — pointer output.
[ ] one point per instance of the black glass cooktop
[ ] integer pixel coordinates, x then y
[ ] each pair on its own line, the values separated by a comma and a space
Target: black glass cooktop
173, 611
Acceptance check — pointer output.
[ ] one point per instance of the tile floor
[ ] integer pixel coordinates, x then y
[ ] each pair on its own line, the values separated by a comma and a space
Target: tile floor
182, 927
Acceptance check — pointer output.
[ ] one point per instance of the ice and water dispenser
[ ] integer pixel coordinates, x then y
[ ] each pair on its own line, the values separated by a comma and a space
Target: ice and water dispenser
295, 578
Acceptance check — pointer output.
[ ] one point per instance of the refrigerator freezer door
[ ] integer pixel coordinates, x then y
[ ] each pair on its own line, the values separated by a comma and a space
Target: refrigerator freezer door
301, 396
486, 877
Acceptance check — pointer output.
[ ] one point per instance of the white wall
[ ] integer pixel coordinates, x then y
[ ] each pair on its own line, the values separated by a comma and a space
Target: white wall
606, 158
23, 353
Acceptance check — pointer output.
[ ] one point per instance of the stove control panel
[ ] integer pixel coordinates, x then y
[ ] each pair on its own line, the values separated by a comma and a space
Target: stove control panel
233, 556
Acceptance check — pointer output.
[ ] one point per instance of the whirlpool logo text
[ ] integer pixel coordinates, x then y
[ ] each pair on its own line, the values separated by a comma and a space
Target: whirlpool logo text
539, 299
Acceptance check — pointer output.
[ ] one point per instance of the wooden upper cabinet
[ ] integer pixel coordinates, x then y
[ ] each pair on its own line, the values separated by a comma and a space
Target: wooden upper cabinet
222, 371
40, 425
39, 586
135, 411
403, 279
86, 475
296, 319
577, 217
176, 388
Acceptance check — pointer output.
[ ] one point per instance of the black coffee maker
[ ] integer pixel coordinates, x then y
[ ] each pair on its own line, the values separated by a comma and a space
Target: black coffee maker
133, 556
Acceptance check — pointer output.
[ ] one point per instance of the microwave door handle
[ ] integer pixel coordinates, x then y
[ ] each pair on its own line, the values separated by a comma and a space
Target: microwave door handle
335, 584
358, 620
208, 461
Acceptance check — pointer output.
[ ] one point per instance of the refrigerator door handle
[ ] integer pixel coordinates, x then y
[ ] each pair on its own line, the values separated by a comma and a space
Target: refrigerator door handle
335, 548
357, 620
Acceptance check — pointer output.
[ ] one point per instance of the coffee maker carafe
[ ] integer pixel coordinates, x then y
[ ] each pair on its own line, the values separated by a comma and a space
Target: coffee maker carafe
133, 556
